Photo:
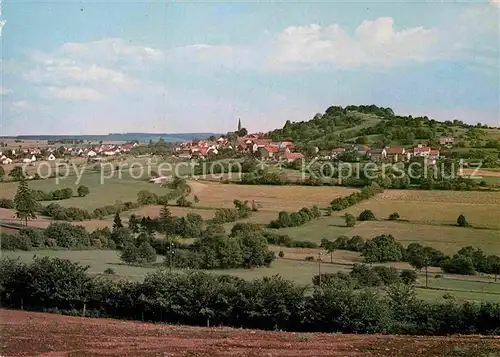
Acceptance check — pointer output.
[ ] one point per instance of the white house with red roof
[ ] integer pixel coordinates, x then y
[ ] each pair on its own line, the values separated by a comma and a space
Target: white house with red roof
421, 151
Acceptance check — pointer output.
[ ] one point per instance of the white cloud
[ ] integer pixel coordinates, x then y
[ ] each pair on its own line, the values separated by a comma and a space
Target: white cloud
373, 44
74, 93
5, 91
112, 51
21, 104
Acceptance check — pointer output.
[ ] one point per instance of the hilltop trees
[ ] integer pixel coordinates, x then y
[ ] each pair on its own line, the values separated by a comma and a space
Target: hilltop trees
24, 202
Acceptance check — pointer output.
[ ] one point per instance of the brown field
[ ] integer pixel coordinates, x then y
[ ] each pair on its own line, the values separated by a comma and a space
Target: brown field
436, 207
269, 198
39, 334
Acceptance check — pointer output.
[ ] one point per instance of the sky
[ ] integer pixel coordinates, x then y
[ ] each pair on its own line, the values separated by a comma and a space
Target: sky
80, 67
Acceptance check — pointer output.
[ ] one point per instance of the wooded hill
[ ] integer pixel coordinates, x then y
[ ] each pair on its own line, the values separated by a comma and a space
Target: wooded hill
379, 126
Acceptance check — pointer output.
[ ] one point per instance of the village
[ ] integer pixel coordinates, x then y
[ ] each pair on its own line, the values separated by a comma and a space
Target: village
255, 144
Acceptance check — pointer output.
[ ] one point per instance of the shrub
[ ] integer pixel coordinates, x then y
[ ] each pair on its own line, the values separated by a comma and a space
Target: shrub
394, 216
145, 197
281, 254
83, 191
366, 215
6, 203
461, 221
34, 235
408, 277
459, 264
350, 220
109, 271
309, 258
129, 254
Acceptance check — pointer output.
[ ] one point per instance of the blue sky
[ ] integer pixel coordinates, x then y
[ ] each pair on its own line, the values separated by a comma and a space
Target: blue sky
76, 67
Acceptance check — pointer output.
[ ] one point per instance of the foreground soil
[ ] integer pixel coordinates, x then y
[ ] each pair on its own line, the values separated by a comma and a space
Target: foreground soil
38, 334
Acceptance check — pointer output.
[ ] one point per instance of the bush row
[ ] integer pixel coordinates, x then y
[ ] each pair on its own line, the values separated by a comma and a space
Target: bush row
384, 248
271, 303
224, 215
362, 276
56, 195
58, 235
295, 219
365, 193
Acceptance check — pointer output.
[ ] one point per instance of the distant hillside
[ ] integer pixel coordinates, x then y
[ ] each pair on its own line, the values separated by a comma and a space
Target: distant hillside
141, 137
378, 126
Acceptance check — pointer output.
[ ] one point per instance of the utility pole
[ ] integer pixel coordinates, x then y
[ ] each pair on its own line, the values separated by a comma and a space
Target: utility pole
171, 253
319, 268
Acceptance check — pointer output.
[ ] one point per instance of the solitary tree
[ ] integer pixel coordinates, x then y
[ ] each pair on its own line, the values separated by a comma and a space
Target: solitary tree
421, 260
2, 173
461, 221
117, 222
24, 202
350, 220
83, 191
330, 248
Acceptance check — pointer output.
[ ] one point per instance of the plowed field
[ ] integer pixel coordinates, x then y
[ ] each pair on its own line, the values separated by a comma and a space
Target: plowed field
38, 334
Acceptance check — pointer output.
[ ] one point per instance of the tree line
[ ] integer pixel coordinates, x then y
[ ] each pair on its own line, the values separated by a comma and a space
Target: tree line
384, 248
272, 303
295, 219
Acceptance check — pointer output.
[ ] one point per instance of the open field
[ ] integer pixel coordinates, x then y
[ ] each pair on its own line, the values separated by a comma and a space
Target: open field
8, 216
448, 239
436, 207
105, 192
97, 260
270, 198
37, 334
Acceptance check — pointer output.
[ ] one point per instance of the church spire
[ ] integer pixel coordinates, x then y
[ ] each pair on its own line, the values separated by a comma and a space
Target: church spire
239, 124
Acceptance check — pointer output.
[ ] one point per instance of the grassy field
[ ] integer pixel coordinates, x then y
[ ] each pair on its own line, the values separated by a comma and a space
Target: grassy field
291, 267
448, 239
436, 207
102, 192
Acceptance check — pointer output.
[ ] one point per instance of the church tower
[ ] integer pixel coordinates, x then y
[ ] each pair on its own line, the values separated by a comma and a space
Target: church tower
239, 124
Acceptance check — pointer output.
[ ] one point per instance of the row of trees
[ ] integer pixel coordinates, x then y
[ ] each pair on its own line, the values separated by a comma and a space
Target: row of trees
367, 192
267, 303
384, 248
295, 219
362, 276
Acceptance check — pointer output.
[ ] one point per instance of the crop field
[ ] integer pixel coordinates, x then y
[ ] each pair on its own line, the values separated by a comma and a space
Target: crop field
269, 198
32, 333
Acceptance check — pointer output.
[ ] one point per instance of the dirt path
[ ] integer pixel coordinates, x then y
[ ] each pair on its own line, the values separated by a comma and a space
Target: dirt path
468, 172
37, 334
